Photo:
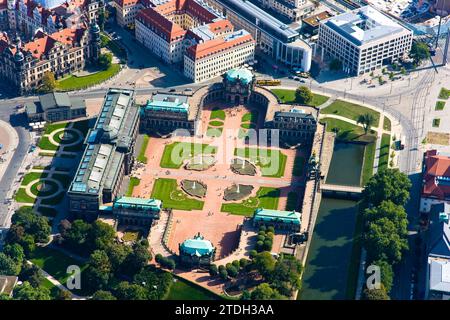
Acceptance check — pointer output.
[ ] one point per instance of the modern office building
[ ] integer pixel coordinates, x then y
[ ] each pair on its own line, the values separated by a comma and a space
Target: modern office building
294, 10
273, 37
56, 106
136, 211
108, 154
196, 251
438, 253
435, 180
283, 220
364, 39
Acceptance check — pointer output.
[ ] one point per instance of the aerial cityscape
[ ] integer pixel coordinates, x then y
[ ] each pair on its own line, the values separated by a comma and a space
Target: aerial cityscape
227, 150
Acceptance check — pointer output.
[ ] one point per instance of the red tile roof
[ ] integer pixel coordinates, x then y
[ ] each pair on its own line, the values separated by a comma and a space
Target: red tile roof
221, 26
150, 17
214, 46
436, 166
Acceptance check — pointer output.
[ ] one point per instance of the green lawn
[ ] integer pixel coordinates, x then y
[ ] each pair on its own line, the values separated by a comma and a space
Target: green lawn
45, 144
172, 197
384, 152
439, 105
288, 96
49, 128
32, 176
347, 131
369, 158
75, 83
436, 122
387, 124
250, 116
175, 153
214, 132
292, 201
444, 93
54, 290
271, 162
133, 183
22, 196
141, 157
350, 110
185, 290
55, 263
299, 165
217, 114
265, 198
114, 47
216, 123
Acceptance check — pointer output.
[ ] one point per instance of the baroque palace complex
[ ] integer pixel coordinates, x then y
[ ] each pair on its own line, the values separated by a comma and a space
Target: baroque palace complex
109, 155
41, 36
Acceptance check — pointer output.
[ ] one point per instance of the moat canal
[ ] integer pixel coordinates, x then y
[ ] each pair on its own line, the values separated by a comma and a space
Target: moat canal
326, 275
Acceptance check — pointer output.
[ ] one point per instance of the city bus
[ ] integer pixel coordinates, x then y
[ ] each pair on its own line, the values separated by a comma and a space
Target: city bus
268, 82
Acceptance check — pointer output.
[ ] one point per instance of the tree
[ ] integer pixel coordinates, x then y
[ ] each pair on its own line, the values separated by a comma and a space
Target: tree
335, 65
138, 258
26, 291
389, 184
76, 237
367, 120
303, 95
32, 274
285, 277
105, 60
213, 270
8, 266
98, 272
419, 51
103, 295
391, 211
265, 292
48, 82
127, 291
382, 241
264, 263
223, 274
156, 281
64, 295
101, 18
117, 254
376, 294
33, 224
387, 274
14, 251
101, 235
232, 271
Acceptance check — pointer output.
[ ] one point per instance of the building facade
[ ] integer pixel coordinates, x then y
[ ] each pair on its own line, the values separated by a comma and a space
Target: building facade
196, 252
136, 211
274, 38
108, 155
282, 220
55, 106
294, 10
194, 36
435, 180
23, 64
127, 10
364, 39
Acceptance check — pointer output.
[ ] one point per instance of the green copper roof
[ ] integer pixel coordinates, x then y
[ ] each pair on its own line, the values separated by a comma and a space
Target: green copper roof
197, 246
168, 106
137, 203
271, 215
243, 74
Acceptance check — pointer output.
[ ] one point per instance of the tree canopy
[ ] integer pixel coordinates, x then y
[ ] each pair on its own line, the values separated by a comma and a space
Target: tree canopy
303, 95
420, 51
48, 82
26, 291
389, 184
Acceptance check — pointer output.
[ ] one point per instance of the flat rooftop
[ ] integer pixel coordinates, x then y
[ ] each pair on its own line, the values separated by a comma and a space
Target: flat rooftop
364, 25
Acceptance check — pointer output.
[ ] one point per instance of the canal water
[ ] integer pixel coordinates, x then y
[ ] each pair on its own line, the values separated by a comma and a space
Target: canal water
328, 261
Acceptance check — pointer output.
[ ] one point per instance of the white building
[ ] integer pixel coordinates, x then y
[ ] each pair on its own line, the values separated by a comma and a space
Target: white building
294, 10
127, 10
364, 39
209, 59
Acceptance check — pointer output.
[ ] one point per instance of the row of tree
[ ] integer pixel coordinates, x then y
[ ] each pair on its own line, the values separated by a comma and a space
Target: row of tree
27, 230
385, 225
